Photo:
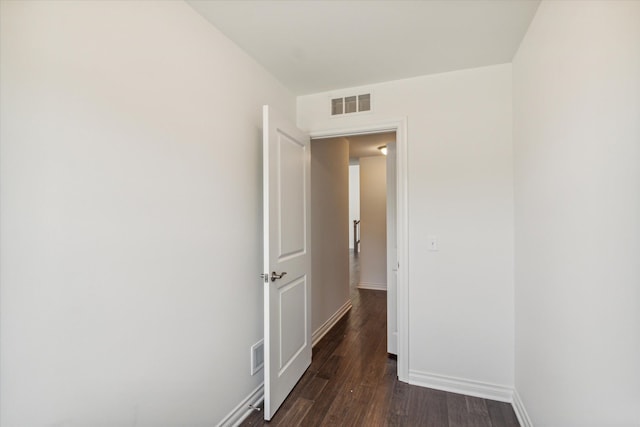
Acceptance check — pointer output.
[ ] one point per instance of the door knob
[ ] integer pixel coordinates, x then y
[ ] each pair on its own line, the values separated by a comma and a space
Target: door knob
275, 276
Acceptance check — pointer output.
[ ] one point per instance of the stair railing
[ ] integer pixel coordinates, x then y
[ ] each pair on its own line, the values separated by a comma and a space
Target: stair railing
356, 235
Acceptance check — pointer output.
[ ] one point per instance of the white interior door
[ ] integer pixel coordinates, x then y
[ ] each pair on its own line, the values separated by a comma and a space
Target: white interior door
392, 251
287, 258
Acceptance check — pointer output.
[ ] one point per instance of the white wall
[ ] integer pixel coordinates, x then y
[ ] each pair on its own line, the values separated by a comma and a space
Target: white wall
354, 199
373, 225
130, 235
460, 180
577, 185
329, 228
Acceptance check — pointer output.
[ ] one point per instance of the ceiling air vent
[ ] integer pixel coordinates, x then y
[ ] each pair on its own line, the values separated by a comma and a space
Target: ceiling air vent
351, 104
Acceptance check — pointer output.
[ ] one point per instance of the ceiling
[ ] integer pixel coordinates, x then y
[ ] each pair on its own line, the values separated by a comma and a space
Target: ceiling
367, 145
315, 46
364, 145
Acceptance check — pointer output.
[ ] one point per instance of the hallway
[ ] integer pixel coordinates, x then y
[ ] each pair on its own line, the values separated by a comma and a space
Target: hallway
352, 381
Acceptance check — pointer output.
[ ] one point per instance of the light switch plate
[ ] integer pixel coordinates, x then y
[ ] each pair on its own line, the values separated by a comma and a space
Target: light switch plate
432, 241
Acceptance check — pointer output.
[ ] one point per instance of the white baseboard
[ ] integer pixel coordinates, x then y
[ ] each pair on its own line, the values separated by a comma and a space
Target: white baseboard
326, 326
242, 411
462, 386
373, 286
521, 412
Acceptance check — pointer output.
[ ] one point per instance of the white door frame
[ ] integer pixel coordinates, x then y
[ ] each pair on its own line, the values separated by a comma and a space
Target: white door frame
400, 127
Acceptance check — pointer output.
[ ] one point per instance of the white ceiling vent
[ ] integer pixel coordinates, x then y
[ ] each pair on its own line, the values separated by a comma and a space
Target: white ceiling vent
351, 104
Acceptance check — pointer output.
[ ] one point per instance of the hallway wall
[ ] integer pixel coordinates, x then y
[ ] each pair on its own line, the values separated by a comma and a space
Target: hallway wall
373, 225
329, 228
130, 214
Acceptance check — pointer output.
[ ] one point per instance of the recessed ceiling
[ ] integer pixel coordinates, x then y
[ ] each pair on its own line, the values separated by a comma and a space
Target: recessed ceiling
315, 46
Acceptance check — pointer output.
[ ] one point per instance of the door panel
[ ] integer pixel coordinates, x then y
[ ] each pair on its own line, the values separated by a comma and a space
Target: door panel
287, 299
291, 192
293, 333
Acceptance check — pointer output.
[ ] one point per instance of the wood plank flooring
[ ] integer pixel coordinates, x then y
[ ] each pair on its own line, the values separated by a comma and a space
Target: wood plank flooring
353, 382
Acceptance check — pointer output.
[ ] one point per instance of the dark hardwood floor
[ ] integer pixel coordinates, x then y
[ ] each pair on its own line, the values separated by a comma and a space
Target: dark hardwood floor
353, 382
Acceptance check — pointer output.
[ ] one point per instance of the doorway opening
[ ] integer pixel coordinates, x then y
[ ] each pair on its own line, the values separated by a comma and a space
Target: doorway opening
366, 218
372, 219
371, 125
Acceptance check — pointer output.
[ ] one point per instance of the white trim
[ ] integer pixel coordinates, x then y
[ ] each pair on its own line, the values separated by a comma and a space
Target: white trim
387, 126
520, 410
400, 127
392, 347
373, 286
242, 411
402, 286
462, 386
330, 323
